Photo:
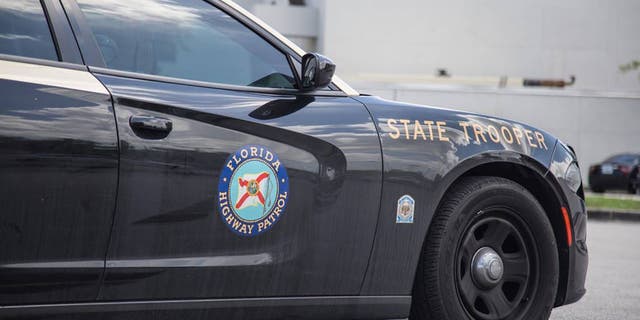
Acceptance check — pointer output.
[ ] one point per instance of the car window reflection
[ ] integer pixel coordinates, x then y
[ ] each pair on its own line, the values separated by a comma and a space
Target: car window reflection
190, 40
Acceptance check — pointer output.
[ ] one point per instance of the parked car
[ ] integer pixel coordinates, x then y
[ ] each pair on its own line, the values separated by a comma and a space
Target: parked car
179, 159
618, 172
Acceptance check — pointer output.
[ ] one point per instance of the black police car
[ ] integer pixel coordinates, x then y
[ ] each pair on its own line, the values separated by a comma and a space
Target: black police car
179, 159
618, 172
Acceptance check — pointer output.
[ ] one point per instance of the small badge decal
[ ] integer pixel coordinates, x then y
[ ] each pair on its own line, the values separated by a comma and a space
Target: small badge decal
253, 190
404, 212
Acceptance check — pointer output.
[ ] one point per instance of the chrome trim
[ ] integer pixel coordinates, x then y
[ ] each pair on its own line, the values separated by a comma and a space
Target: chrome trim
83, 264
487, 267
213, 85
343, 86
51, 76
195, 262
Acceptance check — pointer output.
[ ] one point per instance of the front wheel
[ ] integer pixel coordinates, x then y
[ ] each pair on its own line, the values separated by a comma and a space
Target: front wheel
490, 253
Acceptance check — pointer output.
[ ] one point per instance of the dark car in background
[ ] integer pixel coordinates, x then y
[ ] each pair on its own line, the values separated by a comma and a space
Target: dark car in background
618, 172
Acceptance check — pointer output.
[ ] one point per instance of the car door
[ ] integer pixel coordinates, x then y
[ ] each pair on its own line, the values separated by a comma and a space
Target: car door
232, 182
58, 161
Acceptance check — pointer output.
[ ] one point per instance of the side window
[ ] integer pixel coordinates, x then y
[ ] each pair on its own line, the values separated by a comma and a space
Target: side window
190, 39
24, 30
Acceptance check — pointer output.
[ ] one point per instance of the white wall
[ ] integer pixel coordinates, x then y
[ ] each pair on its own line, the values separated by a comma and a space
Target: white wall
533, 38
298, 23
599, 116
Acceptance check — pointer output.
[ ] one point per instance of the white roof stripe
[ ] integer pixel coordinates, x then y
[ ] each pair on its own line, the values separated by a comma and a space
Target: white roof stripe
51, 76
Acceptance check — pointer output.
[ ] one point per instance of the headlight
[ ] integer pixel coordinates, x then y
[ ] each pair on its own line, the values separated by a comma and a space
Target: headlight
572, 177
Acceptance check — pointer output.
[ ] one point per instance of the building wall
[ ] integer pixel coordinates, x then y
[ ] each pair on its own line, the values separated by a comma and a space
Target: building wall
599, 116
542, 38
298, 23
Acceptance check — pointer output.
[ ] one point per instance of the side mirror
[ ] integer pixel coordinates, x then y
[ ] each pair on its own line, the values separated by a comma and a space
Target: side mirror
317, 71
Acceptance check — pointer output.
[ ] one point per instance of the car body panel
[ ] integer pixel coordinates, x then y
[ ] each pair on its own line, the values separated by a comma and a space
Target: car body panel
575, 268
168, 232
424, 163
157, 247
58, 168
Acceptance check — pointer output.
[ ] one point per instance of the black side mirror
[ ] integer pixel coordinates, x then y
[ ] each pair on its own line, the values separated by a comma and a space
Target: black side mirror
317, 71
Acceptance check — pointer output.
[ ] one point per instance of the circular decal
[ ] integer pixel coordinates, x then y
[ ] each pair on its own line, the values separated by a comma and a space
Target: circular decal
253, 190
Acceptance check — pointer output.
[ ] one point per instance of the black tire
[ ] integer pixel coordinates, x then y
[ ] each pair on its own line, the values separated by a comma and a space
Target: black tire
502, 215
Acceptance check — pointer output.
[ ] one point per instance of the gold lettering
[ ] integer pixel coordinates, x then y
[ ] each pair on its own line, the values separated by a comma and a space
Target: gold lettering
441, 130
430, 126
506, 131
244, 153
391, 123
529, 138
405, 122
254, 151
478, 132
464, 126
417, 127
493, 134
518, 133
540, 138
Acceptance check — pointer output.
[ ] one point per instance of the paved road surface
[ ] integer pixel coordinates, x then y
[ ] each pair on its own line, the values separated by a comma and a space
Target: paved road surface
613, 280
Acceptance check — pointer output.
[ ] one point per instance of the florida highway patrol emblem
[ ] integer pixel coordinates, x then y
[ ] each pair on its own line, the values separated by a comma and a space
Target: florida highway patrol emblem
253, 190
404, 212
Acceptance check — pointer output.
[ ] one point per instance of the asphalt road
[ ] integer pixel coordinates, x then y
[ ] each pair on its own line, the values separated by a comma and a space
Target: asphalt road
613, 279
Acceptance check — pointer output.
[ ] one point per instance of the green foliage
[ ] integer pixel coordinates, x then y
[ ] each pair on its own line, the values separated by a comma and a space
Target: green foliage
633, 65
612, 203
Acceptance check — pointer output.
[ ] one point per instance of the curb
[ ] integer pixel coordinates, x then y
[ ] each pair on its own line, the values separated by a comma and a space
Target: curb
610, 214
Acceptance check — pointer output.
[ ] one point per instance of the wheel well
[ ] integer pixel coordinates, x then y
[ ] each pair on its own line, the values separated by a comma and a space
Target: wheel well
546, 196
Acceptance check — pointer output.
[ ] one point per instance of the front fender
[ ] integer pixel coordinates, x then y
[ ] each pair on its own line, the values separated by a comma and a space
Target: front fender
424, 151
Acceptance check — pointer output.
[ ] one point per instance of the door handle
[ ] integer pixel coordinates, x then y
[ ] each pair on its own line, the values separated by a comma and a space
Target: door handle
157, 124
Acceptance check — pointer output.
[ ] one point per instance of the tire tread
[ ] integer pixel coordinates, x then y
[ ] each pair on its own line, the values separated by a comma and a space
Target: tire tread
428, 304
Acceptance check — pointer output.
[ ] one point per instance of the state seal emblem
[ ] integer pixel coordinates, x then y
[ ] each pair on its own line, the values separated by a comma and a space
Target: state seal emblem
253, 190
405, 209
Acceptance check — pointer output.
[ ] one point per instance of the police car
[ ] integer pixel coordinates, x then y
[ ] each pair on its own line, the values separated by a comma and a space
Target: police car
179, 159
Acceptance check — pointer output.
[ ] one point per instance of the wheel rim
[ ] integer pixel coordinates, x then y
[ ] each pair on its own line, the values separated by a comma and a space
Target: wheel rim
496, 270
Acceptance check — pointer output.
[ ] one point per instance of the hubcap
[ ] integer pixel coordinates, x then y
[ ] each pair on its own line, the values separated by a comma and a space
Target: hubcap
487, 267
496, 265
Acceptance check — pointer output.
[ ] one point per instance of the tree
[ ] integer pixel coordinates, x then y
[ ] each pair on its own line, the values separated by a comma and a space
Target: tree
633, 65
